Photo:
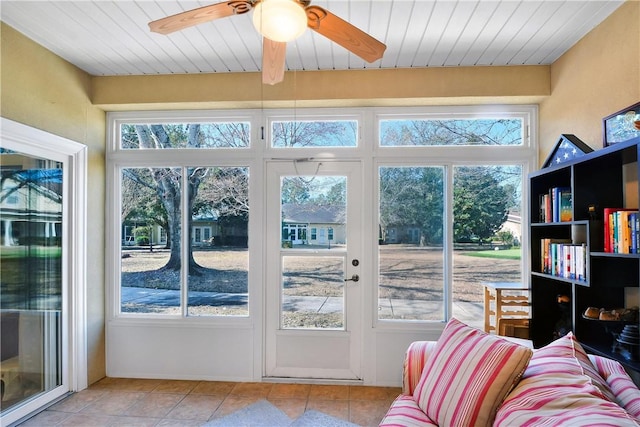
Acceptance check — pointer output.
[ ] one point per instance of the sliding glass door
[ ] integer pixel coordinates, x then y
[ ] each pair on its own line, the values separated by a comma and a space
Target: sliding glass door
35, 250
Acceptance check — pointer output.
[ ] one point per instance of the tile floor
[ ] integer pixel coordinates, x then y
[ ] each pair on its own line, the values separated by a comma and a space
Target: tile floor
135, 402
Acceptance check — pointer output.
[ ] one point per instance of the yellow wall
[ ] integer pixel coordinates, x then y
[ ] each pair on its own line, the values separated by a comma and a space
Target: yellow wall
597, 77
427, 86
41, 90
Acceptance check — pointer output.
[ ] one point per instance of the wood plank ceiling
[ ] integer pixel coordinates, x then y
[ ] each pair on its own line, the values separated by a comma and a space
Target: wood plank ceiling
107, 38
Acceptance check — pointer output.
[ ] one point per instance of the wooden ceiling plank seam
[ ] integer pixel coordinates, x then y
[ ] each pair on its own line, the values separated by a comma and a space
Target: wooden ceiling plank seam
423, 32
176, 40
437, 22
452, 51
548, 33
476, 36
504, 11
511, 28
573, 35
96, 18
402, 21
105, 46
163, 43
455, 22
136, 30
529, 32
24, 20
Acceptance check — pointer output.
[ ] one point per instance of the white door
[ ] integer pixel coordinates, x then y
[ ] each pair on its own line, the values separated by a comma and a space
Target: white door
314, 292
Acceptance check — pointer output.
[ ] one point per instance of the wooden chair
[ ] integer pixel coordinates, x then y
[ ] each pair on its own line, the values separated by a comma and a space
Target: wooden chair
517, 328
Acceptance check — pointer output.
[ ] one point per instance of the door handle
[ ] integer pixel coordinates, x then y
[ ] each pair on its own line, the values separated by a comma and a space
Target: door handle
354, 278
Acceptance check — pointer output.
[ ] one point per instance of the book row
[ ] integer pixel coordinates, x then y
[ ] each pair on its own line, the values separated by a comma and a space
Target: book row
556, 205
621, 230
562, 258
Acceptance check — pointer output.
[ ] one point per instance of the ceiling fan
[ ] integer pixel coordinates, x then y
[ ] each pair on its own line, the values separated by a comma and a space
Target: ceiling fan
279, 21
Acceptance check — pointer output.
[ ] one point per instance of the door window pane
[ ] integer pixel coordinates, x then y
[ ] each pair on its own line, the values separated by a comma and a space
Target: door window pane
150, 267
487, 234
218, 273
31, 258
318, 203
312, 285
312, 292
410, 253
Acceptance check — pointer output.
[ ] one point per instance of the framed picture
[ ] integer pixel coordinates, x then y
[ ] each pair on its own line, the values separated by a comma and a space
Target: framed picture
567, 148
622, 125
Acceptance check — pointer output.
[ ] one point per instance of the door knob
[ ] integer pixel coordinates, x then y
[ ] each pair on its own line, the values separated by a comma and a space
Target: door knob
354, 278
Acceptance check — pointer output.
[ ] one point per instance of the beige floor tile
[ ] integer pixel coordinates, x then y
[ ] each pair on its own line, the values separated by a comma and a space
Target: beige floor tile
217, 388
176, 386
156, 405
114, 402
232, 404
78, 401
336, 408
163, 403
135, 422
85, 420
195, 407
46, 419
127, 384
291, 406
373, 393
367, 412
252, 389
179, 423
329, 392
284, 391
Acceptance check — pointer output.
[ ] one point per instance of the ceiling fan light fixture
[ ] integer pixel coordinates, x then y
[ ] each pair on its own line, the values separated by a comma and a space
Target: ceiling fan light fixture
280, 20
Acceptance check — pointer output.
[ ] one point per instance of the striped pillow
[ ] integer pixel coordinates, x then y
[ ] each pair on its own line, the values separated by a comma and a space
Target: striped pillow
576, 362
468, 375
622, 386
562, 387
405, 412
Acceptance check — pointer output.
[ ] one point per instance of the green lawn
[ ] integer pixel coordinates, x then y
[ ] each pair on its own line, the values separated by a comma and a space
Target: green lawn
501, 254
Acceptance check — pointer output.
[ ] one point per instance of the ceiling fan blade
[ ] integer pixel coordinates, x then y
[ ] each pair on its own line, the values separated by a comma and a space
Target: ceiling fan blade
346, 35
273, 61
197, 16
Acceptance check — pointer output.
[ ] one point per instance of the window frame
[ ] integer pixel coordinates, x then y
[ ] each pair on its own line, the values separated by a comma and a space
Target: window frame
260, 151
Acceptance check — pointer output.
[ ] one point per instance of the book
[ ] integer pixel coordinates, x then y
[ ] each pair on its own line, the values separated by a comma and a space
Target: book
610, 231
565, 205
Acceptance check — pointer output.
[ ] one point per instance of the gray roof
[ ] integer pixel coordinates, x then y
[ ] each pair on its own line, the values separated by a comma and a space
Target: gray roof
312, 214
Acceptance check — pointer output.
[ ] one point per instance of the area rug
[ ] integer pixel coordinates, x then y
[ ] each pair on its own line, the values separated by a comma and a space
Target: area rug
264, 414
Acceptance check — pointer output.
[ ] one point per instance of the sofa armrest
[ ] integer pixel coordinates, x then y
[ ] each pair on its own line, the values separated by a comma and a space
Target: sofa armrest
414, 361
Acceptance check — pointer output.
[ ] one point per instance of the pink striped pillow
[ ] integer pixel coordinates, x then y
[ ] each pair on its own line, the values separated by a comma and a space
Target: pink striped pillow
622, 386
468, 375
405, 412
575, 361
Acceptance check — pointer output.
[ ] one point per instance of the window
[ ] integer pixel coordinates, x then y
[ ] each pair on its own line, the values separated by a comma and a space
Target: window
451, 132
160, 198
447, 187
163, 136
446, 221
304, 133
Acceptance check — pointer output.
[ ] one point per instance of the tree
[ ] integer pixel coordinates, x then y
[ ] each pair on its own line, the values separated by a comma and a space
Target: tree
413, 197
479, 203
226, 192
314, 133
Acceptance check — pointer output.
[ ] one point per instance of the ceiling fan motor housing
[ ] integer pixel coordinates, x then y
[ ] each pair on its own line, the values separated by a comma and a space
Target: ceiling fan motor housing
280, 20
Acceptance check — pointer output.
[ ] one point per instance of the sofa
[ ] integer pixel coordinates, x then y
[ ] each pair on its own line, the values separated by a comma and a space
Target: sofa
471, 378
